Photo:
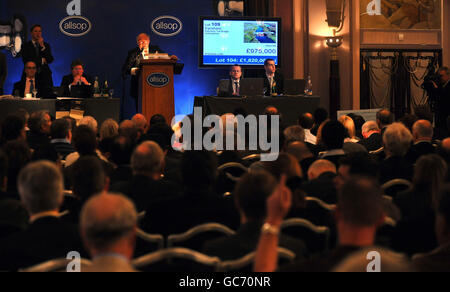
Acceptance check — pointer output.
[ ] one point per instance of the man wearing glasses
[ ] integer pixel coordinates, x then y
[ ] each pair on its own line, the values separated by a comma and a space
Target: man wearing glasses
31, 85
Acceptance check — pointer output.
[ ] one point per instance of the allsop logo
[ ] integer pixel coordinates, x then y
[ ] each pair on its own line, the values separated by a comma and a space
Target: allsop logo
75, 26
158, 80
167, 26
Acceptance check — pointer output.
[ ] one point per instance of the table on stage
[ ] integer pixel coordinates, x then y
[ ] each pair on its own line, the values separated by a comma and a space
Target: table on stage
101, 109
290, 107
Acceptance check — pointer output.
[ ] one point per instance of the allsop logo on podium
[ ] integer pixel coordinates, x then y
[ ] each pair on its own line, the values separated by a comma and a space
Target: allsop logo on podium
158, 80
75, 26
167, 26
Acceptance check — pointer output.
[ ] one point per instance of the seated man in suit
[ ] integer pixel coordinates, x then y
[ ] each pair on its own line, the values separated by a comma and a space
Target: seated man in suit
62, 137
48, 237
273, 81
234, 82
78, 77
423, 141
108, 228
250, 197
372, 136
3, 71
31, 83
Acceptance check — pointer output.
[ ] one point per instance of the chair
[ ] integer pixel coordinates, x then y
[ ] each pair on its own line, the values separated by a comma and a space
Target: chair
315, 237
52, 266
395, 186
250, 159
245, 264
376, 152
321, 203
196, 237
180, 260
147, 243
386, 232
233, 170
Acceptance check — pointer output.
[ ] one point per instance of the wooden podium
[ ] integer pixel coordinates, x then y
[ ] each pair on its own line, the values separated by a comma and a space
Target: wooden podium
156, 88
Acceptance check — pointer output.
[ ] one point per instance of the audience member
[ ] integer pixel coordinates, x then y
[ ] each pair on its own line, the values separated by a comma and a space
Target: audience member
321, 175
40, 124
332, 136
349, 125
141, 124
121, 152
397, 141
306, 121
90, 122
13, 128
438, 259
384, 119
108, 227
48, 237
251, 195
303, 155
372, 138
320, 116
422, 132
415, 232
19, 155
62, 137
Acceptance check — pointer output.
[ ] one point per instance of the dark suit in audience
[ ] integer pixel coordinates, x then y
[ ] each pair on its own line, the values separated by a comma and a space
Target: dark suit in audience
395, 167
245, 241
13, 216
322, 188
435, 261
418, 150
144, 191
47, 238
373, 143
63, 147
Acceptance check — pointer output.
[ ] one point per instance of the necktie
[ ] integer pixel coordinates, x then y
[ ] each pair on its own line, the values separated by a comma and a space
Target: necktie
236, 86
32, 87
36, 45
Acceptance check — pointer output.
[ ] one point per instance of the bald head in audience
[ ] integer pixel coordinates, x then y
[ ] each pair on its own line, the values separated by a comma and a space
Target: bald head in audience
141, 123
129, 129
422, 131
108, 225
90, 122
299, 150
320, 167
384, 118
148, 160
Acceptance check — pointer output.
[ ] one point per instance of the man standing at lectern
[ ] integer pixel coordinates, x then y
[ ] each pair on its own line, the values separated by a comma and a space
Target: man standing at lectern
134, 59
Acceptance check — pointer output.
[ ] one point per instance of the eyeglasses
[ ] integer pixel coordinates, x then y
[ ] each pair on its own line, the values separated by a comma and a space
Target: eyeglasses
30, 68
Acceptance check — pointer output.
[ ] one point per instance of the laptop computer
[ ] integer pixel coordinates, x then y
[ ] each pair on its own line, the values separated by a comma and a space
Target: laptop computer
252, 87
294, 86
81, 91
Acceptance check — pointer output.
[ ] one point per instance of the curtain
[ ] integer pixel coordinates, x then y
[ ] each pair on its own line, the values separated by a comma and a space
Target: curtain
259, 8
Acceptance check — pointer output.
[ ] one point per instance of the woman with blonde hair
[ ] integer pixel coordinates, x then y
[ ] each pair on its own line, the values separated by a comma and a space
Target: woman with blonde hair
349, 125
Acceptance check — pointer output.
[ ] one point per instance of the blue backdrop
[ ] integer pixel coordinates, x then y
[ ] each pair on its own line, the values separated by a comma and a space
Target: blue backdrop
115, 25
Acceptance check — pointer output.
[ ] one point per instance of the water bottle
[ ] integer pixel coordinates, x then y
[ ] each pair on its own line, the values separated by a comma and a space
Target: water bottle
309, 86
106, 89
96, 86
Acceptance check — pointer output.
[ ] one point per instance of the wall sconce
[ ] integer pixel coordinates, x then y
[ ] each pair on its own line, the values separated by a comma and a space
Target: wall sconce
334, 42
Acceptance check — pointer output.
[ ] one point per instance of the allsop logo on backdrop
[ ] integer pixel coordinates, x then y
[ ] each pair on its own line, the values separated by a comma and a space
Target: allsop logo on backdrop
158, 80
75, 25
167, 26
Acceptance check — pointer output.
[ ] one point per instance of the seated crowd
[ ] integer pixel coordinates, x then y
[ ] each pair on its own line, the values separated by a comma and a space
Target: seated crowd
70, 185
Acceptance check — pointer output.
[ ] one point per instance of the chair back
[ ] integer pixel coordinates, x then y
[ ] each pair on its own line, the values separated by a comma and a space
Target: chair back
316, 238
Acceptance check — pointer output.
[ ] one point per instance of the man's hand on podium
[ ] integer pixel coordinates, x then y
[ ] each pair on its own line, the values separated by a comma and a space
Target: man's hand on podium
173, 57
134, 71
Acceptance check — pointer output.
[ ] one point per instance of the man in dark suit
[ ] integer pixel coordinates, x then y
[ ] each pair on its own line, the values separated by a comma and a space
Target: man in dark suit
48, 237
134, 59
62, 137
31, 82
250, 196
147, 185
234, 82
372, 136
40, 53
442, 92
273, 81
78, 77
3, 71
423, 141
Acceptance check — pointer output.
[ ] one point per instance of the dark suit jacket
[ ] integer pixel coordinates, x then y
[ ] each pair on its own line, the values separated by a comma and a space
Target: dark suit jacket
46, 239
133, 61
194, 207
279, 80
418, 150
373, 143
246, 241
395, 167
322, 188
43, 89
68, 79
229, 92
3, 71
145, 191
29, 54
